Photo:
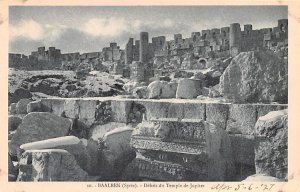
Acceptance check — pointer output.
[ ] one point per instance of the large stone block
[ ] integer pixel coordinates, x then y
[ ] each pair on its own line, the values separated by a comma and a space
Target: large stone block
117, 153
243, 149
56, 105
251, 75
71, 108
194, 110
87, 110
176, 110
242, 119
21, 107
34, 106
19, 93
263, 109
155, 109
71, 144
38, 126
120, 110
13, 122
161, 89
188, 88
217, 114
49, 165
271, 154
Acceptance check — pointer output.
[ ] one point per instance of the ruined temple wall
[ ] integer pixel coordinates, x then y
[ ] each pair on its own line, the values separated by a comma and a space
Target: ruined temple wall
129, 52
136, 50
158, 43
70, 56
107, 53
235, 36
238, 120
144, 47
235, 118
116, 54
251, 40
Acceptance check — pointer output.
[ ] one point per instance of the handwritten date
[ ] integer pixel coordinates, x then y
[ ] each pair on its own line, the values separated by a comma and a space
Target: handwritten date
242, 187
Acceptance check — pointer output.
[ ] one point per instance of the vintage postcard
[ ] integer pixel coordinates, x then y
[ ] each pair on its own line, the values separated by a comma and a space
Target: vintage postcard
151, 95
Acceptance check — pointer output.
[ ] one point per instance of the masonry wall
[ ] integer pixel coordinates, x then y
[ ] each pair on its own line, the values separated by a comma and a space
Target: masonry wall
237, 119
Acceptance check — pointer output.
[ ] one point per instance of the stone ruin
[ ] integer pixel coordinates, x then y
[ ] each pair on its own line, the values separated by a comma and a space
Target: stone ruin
107, 139
144, 59
164, 130
192, 53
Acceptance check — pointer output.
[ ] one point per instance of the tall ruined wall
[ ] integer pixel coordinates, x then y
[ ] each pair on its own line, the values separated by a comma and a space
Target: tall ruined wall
235, 38
129, 52
144, 46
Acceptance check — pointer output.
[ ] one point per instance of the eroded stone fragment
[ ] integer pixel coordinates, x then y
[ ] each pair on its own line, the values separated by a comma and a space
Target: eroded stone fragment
38, 126
271, 153
49, 165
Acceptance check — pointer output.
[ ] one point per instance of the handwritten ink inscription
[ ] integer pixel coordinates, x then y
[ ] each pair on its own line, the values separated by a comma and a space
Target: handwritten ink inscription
242, 187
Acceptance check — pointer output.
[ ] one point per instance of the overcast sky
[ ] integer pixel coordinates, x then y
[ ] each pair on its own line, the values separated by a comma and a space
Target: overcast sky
88, 29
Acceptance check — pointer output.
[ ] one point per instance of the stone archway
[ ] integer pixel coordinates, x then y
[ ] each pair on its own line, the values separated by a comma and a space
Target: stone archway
202, 62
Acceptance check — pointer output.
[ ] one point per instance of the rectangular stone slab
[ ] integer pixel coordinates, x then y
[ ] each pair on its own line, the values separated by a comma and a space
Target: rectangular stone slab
176, 146
241, 119
166, 171
217, 114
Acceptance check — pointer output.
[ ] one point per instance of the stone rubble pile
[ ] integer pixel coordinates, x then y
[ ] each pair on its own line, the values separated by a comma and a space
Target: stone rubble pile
106, 140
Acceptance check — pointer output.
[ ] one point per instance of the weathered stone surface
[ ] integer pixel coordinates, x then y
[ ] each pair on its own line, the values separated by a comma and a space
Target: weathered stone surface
175, 110
188, 88
19, 93
13, 122
49, 165
169, 90
261, 178
161, 89
194, 111
155, 109
87, 110
12, 170
94, 167
265, 109
38, 126
242, 119
71, 144
198, 75
251, 75
205, 91
98, 131
130, 86
183, 144
34, 106
271, 153
13, 108
71, 108
146, 128
243, 149
140, 92
21, 107
11, 134
155, 89
50, 143
117, 153
120, 111
56, 105
217, 114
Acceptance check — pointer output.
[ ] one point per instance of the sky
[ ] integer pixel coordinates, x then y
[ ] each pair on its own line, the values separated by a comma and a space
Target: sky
89, 29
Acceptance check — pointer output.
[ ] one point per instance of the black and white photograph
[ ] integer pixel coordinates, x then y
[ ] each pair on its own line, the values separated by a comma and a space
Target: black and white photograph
148, 93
